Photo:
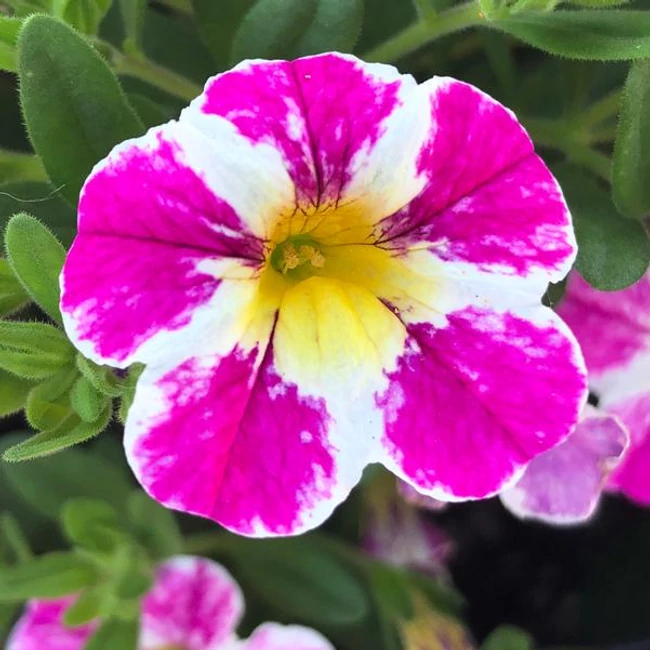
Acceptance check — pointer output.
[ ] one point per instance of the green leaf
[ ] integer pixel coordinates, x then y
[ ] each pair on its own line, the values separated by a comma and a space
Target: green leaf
85, 608
13, 393
598, 4
153, 526
217, 23
114, 634
72, 431
304, 580
597, 35
48, 576
12, 295
87, 401
132, 576
44, 203
102, 378
9, 28
271, 28
36, 258
613, 252
33, 350
48, 404
92, 524
133, 15
74, 107
631, 164
335, 27
84, 15
508, 637
45, 484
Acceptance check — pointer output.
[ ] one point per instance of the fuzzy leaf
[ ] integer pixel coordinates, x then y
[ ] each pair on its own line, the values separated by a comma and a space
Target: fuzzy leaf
48, 576
74, 107
87, 402
335, 27
33, 350
72, 431
272, 28
12, 295
36, 258
613, 252
91, 523
584, 34
631, 164
13, 393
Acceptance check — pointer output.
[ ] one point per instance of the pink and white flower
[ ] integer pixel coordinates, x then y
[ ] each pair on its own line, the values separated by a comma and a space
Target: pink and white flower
564, 485
613, 328
194, 604
324, 264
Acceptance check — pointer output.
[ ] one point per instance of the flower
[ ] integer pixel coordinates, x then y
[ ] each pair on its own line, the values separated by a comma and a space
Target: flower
322, 265
194, 604
613, 328
564, 484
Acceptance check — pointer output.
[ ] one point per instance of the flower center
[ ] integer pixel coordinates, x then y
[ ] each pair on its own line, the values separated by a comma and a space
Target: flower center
298, 257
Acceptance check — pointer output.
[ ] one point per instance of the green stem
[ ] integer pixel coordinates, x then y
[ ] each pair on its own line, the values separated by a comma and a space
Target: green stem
140, 67
181, 6
556, 135
422, 32
18, 166
602, 110
425, 10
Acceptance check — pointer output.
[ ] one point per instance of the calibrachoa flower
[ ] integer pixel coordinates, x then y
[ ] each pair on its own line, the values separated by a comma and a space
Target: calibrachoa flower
614, 330
564, 484
194, 604
324, 264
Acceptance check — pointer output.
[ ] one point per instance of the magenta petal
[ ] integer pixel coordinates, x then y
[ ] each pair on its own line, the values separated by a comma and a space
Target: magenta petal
153, 236
632, 476
272, 636
325, 114
41, 627
194, 604
226, 438
470, 404
489, 200
564, 484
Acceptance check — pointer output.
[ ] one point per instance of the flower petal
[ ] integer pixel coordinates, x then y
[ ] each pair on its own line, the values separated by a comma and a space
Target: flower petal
41, 626
613, 328
490, 389
272, 636
564, 484
489, 200
346, 130
266, 441
157, 237
194, 604
631, 477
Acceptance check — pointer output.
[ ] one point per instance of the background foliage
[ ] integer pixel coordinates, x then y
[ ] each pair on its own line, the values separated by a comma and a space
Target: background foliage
80, 76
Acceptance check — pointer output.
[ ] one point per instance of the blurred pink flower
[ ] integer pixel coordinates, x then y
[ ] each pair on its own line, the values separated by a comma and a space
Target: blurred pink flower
194, 604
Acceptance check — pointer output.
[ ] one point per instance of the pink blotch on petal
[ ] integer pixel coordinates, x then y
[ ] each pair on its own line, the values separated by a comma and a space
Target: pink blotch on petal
119, 292
318, 111
194, 604
489, 200
41, 627
564, 484
612, 327
272, 636
232, 442
471, 404
632, 476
